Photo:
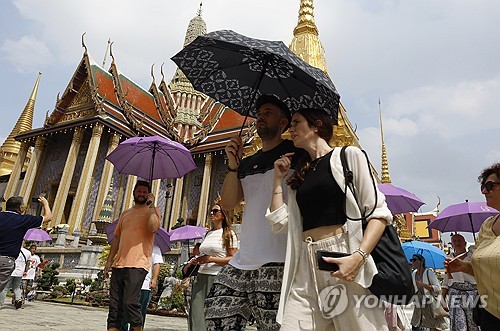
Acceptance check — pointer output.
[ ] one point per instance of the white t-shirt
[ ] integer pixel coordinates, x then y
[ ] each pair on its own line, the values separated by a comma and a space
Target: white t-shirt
155, 258
258, 244
212, 245
33, 263
21, 262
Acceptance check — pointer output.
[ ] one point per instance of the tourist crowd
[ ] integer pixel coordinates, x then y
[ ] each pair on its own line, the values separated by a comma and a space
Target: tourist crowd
296, 205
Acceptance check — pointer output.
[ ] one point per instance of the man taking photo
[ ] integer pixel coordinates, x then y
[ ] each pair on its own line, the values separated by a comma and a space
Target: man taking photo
13, 226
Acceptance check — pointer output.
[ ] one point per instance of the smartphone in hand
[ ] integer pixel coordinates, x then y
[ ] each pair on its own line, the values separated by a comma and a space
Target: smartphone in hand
325, 266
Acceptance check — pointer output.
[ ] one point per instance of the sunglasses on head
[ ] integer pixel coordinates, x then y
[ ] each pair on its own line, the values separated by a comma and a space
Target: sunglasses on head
214, 211
488, 186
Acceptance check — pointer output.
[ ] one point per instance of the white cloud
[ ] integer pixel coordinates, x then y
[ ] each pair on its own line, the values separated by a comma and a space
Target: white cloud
448, 110
27, 54
493, 155
434, 67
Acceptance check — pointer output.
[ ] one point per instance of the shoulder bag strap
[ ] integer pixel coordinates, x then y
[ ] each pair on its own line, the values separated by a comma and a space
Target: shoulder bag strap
349, 182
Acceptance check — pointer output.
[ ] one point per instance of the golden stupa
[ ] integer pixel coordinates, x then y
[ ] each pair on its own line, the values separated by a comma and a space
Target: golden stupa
307, 45
10, 147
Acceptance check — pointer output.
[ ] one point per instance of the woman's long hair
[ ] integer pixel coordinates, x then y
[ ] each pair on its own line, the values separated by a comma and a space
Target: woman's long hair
324, 123
227, 229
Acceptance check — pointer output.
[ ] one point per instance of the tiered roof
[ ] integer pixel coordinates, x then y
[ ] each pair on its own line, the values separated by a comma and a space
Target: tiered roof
112, 98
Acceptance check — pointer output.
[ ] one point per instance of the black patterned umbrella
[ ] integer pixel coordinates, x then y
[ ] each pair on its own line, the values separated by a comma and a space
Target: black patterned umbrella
235, 70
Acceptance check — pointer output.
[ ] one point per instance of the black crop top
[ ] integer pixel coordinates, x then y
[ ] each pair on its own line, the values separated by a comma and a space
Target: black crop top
320, 198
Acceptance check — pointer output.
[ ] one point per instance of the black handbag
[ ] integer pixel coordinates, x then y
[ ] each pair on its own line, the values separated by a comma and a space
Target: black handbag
477, 312
192, 270
393, 283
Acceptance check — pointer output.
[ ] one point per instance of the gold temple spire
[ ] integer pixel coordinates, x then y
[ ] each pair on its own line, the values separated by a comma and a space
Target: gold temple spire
305, 42
10, 146
386, 178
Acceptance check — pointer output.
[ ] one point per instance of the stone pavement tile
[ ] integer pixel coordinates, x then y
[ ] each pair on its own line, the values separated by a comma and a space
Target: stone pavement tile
40, 315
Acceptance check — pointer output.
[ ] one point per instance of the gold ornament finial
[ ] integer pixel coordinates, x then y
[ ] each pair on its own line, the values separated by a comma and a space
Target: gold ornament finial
106, 53
152, 74
161, 71
111, 52
199, 10
83, 43
386, 178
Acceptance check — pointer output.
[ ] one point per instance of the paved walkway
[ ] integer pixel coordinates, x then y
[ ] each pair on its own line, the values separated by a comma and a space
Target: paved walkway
40, 315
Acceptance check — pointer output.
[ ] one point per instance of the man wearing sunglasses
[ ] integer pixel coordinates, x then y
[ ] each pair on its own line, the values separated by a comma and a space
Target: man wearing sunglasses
249, 286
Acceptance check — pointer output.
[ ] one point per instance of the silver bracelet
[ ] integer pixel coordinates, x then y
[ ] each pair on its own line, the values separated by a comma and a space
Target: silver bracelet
362, 252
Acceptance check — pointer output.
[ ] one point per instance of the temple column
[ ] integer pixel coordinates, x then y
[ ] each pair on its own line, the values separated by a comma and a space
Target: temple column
205, 191
168, 205
82, 192
155, 189
67, 176
29, 178
107, 174
11, 189
177, 201
128, 197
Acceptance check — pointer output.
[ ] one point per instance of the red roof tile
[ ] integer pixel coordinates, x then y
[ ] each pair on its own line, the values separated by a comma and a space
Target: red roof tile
139, 98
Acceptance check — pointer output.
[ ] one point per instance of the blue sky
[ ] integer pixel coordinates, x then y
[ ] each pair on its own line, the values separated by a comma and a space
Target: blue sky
434, 64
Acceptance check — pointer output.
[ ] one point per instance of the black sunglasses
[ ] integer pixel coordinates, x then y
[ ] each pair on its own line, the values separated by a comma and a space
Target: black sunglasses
413, 260
489, 185
214, 211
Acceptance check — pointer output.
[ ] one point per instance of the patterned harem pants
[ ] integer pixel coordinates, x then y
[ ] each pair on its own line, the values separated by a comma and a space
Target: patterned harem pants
238, 296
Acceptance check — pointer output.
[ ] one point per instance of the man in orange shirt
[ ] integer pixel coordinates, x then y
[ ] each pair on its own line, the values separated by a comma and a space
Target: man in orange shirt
130, 257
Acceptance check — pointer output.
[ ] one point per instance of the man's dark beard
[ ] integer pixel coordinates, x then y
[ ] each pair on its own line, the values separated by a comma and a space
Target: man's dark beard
140, 202
267, 132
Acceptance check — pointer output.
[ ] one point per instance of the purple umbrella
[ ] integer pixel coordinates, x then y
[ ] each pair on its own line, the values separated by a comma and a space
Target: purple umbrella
37, 235
465, 217
400, 200
152, 158
162, 238
187, 232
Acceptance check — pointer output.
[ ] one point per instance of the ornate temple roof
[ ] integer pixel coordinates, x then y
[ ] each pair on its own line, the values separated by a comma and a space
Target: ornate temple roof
10, 147
96, 95
176, 110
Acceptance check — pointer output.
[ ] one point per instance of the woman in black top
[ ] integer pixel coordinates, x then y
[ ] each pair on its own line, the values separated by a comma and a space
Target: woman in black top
315, 219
